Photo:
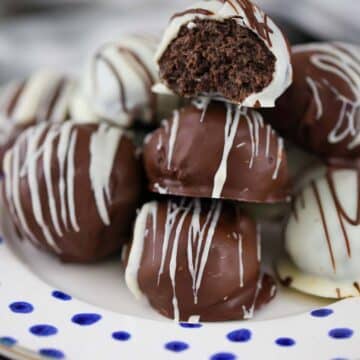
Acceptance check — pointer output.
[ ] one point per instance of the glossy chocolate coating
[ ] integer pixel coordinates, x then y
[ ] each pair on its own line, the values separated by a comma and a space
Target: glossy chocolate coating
217, 151
197, 260
321, 110
73, 189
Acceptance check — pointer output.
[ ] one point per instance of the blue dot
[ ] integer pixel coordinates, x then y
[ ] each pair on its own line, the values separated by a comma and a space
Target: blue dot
61, 295
285, 341
341, 333
52, 353
121, 335
241, 335
7, 341
85, 319
190, 325
21, 307
1, 240
223, 356
43, 330
321, 313
176, 346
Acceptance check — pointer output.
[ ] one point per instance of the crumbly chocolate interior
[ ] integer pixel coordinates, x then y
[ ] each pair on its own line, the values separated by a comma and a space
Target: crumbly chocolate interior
217, 57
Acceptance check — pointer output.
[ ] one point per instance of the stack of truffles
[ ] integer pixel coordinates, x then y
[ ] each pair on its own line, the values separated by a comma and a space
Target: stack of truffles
222, 76
195, 254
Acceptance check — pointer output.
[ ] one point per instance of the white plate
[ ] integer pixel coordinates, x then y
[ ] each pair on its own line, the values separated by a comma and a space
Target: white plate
120, 328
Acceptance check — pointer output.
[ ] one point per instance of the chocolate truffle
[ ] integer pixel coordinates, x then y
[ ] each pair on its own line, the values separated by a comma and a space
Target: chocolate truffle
116, 85
197, 261
229, 50
321, 110
73, 189
43, 97
321, 236
217, 151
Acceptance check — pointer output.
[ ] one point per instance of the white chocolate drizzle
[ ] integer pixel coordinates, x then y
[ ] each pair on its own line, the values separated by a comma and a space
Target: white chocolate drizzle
161, 190
279, 157
199, 242
313, 86
241, 260
231, 126
41, 146
343, 61
43, 97
137, 247
258, 242
173, 134
249, 313
107, 139
196, 237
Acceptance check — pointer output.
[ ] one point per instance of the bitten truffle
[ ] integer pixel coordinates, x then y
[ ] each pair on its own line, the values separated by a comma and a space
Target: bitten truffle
218, 151
116, 85
197, 261
42, 97
73, 189
321, 236
228, 50
321, 110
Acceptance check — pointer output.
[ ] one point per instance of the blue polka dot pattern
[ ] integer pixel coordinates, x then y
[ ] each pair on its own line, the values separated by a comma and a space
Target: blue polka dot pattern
121, 335
223, 356
21, 307
86, 319
1, 240
321, 313
176, 346
7, 341
284, 341
241, 335
190, 325
43, 330
61, 295
341, 333
52, 353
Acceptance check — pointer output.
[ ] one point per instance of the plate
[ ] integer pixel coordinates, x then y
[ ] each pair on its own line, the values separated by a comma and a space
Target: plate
64, 311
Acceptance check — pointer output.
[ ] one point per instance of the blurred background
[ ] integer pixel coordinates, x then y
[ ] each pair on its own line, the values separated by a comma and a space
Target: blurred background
60, 33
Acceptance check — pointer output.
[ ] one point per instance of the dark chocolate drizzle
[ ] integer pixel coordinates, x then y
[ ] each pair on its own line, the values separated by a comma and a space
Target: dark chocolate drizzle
54, 96
148, 78
357, 286
11, 106
122, 96
197, 11
286, 281
250, 9
144, 73
338, 293
324, 223
342, 215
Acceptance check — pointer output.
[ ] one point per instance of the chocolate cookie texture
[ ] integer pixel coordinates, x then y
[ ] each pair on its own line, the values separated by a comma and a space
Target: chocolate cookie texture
321, 110
73, 189
322, 234
229, 50
116, 85
43, 97
197, 261
217, 151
